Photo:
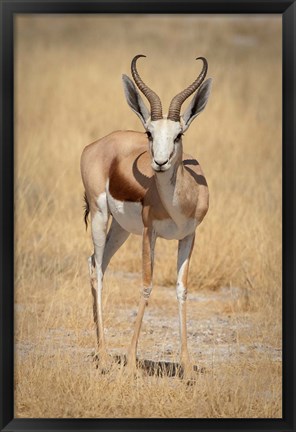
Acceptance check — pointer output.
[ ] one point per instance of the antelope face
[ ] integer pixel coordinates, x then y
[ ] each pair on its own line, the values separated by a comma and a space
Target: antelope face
165, 132
165, 143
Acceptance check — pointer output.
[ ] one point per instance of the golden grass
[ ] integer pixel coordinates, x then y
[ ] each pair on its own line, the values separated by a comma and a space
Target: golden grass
69, 93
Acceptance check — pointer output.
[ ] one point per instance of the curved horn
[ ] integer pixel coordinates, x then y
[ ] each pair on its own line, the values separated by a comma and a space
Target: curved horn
155, 103
177, 101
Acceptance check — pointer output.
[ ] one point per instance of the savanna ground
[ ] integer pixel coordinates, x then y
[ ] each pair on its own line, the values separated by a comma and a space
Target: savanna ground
68, 94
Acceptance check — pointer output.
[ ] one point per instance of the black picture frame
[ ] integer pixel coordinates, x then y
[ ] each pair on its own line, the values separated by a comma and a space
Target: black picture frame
9, 8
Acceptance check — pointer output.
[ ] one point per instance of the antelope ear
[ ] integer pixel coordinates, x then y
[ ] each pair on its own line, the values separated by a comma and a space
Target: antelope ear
134, 99
198, 103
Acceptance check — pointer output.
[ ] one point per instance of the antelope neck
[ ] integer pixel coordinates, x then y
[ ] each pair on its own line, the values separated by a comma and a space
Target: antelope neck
169, 185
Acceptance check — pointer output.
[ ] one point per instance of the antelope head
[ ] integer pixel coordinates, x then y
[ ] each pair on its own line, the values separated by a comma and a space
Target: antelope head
165, 132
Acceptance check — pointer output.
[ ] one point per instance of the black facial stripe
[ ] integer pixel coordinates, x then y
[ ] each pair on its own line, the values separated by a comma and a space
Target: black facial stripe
178, 137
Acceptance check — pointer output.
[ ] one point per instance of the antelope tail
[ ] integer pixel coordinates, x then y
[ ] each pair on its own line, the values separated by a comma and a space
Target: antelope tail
86, 210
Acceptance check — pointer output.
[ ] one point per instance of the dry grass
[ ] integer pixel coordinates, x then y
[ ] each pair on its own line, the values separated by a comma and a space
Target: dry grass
69, 93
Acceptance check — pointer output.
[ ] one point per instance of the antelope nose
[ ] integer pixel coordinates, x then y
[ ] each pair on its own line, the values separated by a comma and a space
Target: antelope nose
160, 163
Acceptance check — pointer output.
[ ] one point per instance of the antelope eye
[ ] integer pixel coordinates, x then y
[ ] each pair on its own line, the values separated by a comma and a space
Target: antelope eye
149, 135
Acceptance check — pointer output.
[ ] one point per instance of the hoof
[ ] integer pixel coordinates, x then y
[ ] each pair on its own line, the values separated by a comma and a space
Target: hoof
102, 361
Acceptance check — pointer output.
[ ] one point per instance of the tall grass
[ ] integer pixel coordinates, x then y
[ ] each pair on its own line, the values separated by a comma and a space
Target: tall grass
68, 94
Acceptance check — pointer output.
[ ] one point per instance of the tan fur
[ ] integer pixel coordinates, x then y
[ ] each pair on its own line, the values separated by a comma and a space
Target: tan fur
123, 157
98, 157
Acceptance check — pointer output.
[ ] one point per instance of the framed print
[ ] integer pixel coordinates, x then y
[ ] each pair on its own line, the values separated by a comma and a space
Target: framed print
109, 111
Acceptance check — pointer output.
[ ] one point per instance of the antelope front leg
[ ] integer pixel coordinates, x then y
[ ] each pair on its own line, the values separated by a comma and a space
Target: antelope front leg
147, 257
184, 254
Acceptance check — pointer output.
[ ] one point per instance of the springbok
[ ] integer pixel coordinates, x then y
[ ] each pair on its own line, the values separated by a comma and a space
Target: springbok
151, 188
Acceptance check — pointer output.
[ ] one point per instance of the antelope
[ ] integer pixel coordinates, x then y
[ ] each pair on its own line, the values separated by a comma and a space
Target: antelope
150, 188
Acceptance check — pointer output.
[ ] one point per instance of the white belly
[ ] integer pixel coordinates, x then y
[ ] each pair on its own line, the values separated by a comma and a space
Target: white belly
127, 214
169, 230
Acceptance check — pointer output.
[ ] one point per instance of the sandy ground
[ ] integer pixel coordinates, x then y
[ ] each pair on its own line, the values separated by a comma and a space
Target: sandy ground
216, 332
